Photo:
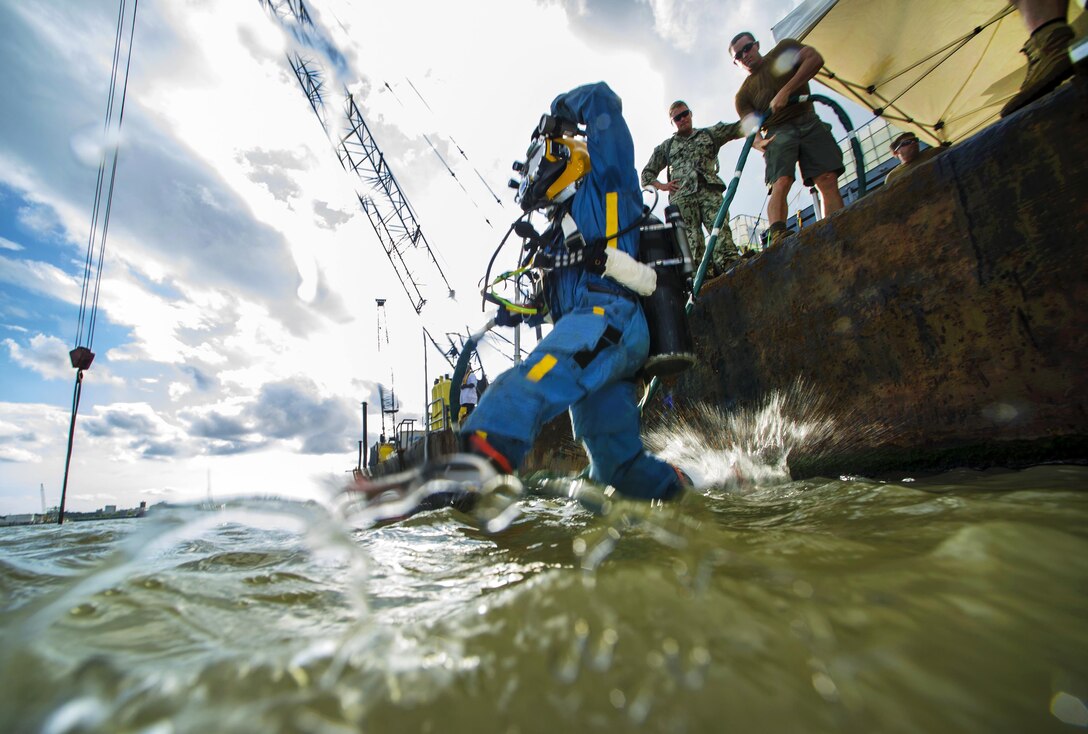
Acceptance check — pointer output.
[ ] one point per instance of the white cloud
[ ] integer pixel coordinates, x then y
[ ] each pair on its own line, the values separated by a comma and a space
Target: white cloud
38, 218
39, 277
158, 492
46, 355
178, 389
33, 437
6, 244
95, 497
136, 431
678, 21
13, 454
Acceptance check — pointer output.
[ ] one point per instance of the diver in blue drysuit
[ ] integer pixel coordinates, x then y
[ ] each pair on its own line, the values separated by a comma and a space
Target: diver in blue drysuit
600, 339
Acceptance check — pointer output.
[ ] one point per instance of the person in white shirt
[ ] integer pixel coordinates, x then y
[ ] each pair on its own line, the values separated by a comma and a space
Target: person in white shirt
468, 394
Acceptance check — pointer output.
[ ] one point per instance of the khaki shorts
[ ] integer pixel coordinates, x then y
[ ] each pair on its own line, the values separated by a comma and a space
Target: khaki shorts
807, 141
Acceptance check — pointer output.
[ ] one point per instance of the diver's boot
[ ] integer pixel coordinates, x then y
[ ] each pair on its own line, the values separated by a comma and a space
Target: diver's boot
495, 504
684, 478
1049, 65
728, 261
477, 443
682, 490
456, 480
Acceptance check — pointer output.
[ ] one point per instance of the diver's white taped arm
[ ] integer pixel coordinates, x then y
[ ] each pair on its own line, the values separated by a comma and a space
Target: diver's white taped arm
629, 272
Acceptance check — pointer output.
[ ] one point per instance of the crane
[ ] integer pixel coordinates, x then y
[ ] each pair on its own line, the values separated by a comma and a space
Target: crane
381, 197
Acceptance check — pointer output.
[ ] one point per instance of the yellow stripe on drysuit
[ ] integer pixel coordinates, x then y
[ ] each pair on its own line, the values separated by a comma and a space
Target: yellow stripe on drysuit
541, 368
611, 226
611, 217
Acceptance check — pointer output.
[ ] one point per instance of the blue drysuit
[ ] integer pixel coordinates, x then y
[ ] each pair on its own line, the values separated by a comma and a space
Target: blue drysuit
600, 339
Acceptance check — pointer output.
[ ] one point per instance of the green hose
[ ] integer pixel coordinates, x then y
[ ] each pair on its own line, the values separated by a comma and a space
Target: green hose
731, 191
855, 146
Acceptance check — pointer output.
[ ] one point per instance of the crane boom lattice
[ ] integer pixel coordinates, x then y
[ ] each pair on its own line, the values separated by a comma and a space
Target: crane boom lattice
313, 86
381, 197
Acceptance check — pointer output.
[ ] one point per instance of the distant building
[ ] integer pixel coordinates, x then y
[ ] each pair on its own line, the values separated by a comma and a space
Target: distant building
25, 519
110, 509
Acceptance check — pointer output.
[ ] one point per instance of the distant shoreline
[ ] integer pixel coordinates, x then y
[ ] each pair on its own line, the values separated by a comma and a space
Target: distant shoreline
73, 517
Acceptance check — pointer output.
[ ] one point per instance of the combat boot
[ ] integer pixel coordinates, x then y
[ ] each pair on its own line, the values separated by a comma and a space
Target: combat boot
776, 234
726, 253
728, 261
1048, 64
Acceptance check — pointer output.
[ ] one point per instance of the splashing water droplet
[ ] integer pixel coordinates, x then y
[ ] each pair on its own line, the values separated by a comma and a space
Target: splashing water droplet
747, 447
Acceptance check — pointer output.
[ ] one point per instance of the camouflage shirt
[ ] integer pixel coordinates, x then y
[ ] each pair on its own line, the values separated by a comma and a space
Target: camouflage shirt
693, 161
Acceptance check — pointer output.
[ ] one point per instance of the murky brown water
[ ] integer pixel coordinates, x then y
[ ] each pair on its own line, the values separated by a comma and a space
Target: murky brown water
952, 603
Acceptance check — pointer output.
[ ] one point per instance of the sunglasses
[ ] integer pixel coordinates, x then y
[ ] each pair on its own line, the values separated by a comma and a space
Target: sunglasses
902, 143
743, 50
680, 115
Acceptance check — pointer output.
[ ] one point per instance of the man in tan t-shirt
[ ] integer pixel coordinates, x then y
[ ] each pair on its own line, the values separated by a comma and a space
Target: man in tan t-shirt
793, 134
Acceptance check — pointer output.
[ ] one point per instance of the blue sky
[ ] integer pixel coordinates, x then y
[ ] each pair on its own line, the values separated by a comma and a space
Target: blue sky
236, 328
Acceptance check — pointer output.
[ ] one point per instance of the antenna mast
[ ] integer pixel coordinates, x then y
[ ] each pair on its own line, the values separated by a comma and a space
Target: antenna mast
387, 398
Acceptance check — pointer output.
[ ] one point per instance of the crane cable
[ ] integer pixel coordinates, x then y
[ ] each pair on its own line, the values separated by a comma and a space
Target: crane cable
82, 356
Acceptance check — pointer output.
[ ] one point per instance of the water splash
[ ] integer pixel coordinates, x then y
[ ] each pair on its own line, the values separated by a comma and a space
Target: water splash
749, 446
743, 451
464, 481
740, 451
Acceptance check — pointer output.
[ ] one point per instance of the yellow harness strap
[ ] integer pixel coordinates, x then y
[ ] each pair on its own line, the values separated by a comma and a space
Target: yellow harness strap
611, 217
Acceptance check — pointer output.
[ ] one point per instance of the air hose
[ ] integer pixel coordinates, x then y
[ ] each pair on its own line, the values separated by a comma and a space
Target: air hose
731, 191
855, 146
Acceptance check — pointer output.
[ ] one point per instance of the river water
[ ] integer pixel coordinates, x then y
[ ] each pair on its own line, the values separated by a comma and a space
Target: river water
950, 603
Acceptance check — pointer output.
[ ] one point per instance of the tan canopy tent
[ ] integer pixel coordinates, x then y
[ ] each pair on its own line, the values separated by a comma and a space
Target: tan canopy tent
942, 68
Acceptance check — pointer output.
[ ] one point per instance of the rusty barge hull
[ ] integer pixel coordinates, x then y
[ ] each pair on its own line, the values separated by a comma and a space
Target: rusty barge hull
943, 320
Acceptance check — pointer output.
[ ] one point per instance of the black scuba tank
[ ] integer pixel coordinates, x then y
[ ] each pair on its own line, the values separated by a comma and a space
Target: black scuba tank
664, 247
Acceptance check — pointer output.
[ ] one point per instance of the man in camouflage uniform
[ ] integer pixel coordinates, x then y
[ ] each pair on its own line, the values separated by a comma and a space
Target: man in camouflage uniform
691, 157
